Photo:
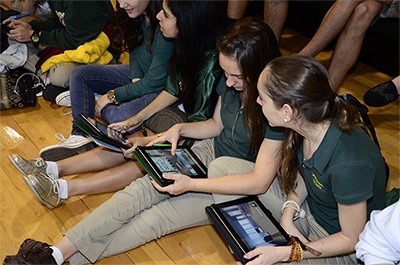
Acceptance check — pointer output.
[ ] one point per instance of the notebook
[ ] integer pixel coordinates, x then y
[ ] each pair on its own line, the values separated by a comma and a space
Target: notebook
245, 224
157, 160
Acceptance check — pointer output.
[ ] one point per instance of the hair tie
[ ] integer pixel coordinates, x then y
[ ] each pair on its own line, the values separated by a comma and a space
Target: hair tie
332, 100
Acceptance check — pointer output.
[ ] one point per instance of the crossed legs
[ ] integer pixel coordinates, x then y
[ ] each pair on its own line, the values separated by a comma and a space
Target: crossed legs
350, 20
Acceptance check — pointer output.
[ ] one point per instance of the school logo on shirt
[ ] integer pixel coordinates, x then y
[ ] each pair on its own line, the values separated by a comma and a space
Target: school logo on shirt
61, 16
318, 184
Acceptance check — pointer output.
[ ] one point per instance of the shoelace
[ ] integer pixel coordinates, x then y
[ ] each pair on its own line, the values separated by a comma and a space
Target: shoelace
55, 184
60, 137
40, 162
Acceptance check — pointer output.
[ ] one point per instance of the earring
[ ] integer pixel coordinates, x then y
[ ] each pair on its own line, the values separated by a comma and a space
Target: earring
285, 120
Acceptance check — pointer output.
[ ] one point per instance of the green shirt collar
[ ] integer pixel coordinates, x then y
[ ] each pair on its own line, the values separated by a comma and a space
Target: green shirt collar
323, 154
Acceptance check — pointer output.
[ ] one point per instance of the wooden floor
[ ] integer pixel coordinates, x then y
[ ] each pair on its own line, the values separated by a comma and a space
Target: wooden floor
26, 131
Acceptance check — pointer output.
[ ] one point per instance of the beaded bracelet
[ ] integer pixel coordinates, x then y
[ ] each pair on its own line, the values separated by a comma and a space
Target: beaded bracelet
294, 205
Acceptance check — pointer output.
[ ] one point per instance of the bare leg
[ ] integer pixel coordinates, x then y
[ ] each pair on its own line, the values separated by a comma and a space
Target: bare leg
350, 41
93, 160
237, 8
332, 24
275, 12
110, 180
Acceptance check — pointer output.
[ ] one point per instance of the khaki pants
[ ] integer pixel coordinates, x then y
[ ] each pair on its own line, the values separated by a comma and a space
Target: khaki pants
139, 213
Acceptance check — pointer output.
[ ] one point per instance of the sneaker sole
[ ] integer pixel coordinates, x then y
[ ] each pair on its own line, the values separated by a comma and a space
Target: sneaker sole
60, 153
63, 101
17, 166
32, 188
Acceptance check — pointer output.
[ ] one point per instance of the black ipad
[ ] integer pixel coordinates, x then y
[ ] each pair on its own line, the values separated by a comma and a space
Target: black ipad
100, 132
158, 160
246, 224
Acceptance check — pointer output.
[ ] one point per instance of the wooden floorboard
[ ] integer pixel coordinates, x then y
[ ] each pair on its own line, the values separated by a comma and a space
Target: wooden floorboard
26, 131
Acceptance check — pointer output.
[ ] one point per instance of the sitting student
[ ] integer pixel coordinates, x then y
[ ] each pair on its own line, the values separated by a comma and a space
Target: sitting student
199, 97
39, 10
331, 168
137, 84
140, 213
73, 23
379, 242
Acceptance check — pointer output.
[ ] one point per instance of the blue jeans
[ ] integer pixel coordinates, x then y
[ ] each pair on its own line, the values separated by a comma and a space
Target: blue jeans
87, 80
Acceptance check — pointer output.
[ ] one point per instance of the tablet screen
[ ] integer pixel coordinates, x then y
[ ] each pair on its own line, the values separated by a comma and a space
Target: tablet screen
252, 225
183, 162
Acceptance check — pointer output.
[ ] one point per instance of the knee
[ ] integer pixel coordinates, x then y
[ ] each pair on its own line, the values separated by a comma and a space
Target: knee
363, 15
224, 165
218, 167
60, 74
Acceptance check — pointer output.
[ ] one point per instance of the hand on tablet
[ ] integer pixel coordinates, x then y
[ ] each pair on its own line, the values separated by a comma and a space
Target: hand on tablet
172, 136
266, 255
135, 142
182, 183
126, 125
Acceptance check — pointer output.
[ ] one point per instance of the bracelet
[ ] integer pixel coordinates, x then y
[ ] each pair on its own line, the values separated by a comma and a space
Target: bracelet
111, 97
294, 205
160, 134
296, 254
298, 247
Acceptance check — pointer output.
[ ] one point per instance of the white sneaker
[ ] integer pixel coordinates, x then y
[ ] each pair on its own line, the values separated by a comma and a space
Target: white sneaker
74, 145
64, 99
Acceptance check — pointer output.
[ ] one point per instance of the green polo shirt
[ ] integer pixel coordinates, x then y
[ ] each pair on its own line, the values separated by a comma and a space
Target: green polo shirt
207, 80
73, 22
347, 168
150, 66
234, 139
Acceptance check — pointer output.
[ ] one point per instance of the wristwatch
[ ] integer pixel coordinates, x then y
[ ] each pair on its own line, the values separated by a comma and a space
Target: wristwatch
111, 97
35, 37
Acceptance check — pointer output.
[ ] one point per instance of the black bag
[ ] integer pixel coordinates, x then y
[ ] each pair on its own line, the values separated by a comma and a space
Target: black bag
163, 120
19, 88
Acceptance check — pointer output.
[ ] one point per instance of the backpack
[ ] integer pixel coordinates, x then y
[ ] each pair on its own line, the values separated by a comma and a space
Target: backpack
363, 110
19, 88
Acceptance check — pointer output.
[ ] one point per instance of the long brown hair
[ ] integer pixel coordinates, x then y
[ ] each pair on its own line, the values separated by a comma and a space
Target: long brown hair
303, 84
252, 44
129, 34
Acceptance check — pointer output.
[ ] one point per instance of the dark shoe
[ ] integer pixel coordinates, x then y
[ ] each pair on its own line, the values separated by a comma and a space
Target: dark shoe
51, 92
32, 252
67, 147
381, 94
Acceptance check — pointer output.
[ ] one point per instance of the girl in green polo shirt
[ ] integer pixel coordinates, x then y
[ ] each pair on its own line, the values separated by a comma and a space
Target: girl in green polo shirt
332, 174
140, 213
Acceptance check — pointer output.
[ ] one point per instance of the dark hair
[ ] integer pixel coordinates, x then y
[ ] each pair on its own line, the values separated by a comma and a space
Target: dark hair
303, 84
252, 44
199, 24
129, 34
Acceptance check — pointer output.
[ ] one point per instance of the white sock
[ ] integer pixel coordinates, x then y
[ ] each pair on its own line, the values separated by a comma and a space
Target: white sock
52, 168
58, 256
63, 189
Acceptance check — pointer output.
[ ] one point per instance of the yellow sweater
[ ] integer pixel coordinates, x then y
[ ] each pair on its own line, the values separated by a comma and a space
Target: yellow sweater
92, 52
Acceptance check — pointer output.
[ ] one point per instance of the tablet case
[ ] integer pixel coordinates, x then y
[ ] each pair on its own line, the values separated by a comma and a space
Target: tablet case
156, 172
98, 132
245, 224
